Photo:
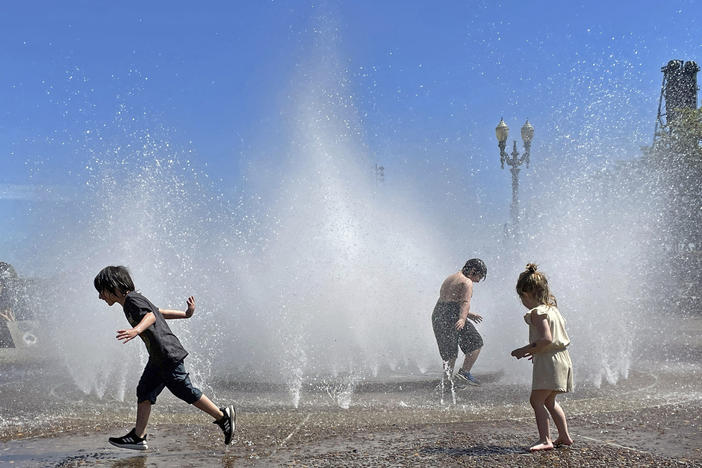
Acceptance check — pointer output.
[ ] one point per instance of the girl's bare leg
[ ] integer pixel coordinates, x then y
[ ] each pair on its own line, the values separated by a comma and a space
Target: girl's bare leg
537, 400
559, 419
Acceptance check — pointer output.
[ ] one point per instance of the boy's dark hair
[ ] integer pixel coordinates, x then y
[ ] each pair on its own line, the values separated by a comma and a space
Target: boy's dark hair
475, 265
113, 279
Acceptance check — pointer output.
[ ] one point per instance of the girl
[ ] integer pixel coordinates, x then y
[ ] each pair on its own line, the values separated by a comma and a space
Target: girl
547, 348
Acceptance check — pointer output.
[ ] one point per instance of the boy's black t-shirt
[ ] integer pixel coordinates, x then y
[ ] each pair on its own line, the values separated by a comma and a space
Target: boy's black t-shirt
163, 346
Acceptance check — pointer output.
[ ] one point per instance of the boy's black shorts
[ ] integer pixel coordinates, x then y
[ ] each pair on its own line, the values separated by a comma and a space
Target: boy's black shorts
155, 378
443, 321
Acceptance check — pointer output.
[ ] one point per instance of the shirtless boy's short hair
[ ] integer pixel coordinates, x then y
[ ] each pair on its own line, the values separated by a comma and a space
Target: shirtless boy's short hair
113, 279
475, 265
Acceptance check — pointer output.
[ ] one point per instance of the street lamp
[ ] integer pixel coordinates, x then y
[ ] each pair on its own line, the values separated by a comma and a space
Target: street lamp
502, 132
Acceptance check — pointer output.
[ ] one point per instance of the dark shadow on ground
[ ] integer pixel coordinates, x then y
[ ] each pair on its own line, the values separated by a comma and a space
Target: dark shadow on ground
475, 451
137, 461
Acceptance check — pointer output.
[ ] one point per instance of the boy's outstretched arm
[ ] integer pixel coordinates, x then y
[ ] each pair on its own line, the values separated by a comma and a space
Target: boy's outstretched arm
180, 314
127, 335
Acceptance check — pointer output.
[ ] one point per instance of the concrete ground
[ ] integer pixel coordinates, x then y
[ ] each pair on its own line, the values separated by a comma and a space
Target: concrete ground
647, 419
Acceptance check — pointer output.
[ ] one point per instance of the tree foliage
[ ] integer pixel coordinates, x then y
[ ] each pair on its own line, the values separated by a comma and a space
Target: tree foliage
680, 141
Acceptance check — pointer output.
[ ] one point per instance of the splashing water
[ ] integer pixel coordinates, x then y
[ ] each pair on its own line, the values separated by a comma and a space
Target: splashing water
318, 268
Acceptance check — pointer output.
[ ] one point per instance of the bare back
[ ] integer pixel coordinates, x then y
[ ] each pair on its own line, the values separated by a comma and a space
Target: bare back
456, 288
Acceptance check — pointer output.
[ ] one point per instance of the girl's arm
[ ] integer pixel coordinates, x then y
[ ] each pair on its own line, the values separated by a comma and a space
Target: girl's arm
180, 314
544, 337
127, 335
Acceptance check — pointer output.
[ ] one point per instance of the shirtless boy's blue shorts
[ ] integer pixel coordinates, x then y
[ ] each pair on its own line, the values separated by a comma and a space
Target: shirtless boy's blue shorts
155, 378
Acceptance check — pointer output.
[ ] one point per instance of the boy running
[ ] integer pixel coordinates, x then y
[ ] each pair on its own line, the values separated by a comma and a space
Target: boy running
165, 367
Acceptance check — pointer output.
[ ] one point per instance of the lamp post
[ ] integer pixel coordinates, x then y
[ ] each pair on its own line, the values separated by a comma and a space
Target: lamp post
515, 161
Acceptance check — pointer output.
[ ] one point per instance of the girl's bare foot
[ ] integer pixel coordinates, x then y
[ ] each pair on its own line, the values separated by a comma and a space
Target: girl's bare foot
563, 441
539, 446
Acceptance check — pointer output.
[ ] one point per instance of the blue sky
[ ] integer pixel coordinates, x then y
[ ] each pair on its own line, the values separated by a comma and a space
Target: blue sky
429, 83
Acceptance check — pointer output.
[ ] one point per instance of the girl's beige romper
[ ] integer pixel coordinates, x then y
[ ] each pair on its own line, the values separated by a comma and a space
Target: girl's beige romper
552, 367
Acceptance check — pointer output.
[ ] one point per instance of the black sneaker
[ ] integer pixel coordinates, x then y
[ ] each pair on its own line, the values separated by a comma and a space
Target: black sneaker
227, 423
467, 377
130, 441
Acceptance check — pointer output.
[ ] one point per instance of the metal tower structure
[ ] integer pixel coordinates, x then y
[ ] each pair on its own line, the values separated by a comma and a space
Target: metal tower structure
679, 90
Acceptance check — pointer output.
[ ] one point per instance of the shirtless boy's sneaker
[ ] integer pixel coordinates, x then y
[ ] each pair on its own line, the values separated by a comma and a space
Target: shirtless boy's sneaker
227, 423
466, 377
129, 441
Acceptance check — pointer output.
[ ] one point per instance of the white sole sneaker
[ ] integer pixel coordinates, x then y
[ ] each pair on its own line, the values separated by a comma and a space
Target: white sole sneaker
233, 413
128, 442
230, 415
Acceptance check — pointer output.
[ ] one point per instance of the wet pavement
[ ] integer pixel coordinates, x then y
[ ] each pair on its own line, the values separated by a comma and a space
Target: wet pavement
648, 419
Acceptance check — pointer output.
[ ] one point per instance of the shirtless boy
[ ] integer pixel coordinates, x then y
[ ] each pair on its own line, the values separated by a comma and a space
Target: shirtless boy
450, 320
